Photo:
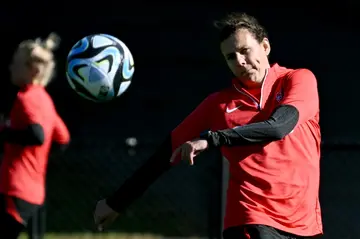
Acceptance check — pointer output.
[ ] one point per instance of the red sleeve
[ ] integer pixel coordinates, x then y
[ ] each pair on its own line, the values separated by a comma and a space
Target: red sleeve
198, 121
301, 92
61, 133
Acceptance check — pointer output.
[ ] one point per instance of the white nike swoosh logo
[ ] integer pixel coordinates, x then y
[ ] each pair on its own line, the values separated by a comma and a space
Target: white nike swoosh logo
233, 109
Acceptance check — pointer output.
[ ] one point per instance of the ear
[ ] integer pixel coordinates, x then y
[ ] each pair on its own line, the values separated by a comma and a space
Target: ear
266, 46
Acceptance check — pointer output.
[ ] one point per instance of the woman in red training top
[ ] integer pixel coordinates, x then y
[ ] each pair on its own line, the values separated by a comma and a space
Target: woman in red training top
28, 135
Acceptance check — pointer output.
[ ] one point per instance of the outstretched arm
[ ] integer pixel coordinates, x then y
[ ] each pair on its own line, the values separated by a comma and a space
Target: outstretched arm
159, 163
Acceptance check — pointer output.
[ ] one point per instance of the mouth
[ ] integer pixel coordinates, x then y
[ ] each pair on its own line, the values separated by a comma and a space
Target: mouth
243, 70
247, 72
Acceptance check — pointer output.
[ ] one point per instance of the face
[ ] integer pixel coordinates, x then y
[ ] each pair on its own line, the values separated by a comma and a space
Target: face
246, 57
21, 71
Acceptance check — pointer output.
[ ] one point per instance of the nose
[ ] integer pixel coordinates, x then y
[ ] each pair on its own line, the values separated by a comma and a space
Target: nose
240, 59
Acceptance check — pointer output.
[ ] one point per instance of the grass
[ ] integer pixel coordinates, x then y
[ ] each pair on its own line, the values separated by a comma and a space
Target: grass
97, 236
105, 236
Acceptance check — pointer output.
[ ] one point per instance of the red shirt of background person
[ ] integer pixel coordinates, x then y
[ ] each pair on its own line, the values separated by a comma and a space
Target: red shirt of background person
33, 126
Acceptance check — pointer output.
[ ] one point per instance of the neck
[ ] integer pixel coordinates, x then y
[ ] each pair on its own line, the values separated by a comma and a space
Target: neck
31, 83
254, 84
37, 82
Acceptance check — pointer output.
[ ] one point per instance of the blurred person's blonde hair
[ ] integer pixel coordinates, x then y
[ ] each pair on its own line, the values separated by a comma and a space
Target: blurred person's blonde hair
39, 54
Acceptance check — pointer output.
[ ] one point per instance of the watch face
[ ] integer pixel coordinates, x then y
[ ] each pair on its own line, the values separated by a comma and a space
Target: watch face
204, 134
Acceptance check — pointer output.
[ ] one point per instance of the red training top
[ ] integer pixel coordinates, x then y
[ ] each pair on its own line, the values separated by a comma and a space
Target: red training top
274, 184
23, 168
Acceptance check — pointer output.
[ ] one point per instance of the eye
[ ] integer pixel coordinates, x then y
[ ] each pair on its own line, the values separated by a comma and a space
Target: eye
231, 56
244, 51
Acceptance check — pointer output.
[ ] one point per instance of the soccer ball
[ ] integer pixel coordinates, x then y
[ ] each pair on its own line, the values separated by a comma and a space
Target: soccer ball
100, 67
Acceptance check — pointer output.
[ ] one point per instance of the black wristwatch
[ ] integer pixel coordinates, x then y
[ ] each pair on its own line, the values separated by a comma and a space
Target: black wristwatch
211, 137
205, 135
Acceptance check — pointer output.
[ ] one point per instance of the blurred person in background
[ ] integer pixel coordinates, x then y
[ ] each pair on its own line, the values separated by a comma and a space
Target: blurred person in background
266, 124
28, 134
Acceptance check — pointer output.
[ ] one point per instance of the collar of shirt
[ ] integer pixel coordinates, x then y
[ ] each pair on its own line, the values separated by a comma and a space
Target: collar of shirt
30, 86
257, 95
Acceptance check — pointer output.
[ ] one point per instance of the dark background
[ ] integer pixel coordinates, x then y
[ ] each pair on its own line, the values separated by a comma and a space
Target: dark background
177, 64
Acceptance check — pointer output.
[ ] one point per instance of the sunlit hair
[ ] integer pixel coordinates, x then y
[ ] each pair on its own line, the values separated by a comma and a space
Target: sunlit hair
39, 54
236, 21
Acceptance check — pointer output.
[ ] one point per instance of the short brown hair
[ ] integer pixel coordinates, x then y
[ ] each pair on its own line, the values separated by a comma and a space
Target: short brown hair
235, 21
